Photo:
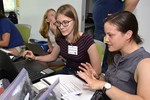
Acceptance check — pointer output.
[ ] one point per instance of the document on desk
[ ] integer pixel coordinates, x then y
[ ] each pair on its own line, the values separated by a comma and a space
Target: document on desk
71, 87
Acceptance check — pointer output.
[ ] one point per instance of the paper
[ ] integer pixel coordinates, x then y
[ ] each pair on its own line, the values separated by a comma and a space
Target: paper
39, 86
71, 87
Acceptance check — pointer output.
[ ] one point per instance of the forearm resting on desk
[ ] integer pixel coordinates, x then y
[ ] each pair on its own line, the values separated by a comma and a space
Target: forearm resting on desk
46, 58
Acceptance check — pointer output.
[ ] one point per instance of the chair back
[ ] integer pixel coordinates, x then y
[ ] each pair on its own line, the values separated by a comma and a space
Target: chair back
25, 30
101, 49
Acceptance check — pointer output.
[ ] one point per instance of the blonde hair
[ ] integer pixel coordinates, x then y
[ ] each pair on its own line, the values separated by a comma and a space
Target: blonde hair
45, 25
69, 11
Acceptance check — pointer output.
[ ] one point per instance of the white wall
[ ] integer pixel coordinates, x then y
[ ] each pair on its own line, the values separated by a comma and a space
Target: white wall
31, 12
143, 15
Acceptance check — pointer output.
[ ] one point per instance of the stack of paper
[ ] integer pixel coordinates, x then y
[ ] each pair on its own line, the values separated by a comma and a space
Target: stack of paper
71, 87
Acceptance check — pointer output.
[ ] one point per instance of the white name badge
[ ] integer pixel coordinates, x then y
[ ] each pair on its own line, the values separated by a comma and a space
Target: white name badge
72, 50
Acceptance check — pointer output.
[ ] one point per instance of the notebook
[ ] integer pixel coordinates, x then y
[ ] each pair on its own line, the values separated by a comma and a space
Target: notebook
35, 69
35, 48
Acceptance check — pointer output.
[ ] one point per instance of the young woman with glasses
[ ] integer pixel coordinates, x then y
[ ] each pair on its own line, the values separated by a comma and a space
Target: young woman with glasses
76, 47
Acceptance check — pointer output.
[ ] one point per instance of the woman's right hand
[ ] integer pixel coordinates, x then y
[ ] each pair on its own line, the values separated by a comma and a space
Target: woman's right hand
88, 69
29, 54
53, 28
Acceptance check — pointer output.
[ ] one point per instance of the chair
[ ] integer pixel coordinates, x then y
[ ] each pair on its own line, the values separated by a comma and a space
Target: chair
101, 49
25, 30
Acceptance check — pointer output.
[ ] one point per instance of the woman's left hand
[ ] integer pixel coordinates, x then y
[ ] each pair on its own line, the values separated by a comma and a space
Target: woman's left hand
53, 28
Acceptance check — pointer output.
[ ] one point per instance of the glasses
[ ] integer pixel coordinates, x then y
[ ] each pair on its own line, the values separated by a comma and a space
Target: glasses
65, 23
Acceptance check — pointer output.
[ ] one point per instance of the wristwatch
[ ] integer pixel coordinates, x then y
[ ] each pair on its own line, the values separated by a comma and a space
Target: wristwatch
107, 86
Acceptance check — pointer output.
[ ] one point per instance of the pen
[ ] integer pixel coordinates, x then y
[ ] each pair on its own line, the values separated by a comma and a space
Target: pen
78, 94
46, 82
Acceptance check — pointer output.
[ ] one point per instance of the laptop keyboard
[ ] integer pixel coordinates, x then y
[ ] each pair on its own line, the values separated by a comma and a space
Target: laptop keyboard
33, 68
33, 75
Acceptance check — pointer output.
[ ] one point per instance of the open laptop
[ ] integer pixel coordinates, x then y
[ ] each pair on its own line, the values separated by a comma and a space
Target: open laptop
35, 69
35, 48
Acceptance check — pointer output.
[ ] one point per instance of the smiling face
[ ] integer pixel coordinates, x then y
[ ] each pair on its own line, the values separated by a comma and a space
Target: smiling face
66, 25
51, 16
115, 39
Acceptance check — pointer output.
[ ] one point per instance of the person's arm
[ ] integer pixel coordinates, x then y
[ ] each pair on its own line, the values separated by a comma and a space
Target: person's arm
141, 76
53, 28
50, 57
130, 5
46, 58
94, 58
4, 42
50, 46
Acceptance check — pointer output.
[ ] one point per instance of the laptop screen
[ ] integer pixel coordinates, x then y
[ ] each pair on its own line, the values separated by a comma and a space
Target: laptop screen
35, 48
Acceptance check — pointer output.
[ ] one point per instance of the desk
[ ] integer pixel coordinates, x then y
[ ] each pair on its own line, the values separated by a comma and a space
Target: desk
38, 69
67, 88
56, 65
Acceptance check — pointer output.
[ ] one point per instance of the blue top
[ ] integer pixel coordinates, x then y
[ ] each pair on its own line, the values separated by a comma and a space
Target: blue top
121, 72
101, 9
6, 26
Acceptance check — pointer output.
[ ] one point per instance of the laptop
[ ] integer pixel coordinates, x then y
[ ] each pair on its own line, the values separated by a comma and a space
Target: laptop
21, 89
35, 69
35, 48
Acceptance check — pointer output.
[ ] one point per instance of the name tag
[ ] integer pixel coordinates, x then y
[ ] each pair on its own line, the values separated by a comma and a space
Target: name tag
72, 50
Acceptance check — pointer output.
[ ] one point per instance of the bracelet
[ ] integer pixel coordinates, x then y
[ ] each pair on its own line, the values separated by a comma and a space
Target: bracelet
101, 76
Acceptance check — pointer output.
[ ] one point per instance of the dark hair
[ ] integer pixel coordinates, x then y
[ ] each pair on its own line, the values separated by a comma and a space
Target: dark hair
2, 16
125, 21
13, 17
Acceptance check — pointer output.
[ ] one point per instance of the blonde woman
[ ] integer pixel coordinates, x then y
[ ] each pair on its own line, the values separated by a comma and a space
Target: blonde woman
48, 29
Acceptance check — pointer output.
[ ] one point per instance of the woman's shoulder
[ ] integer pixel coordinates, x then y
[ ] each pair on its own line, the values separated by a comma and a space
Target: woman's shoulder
85, 35
4, 19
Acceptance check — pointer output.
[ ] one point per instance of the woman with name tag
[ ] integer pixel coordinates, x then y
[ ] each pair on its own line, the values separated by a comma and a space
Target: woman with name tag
76, 47
128, 75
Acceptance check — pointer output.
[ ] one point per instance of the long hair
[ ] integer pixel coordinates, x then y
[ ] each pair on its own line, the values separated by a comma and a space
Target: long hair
125, 21
69, 11
45, 25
